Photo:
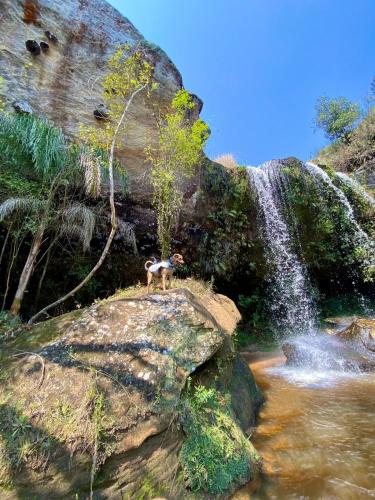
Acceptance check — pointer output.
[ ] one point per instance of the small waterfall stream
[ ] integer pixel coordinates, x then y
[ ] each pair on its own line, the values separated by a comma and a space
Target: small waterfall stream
323, 178
356, 187
289, 289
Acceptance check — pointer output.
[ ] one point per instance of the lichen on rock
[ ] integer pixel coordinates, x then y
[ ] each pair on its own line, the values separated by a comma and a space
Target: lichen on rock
109, 385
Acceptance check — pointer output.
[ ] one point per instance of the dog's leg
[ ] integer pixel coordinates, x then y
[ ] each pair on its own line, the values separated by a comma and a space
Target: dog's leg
170, 281
163, 278
149, 280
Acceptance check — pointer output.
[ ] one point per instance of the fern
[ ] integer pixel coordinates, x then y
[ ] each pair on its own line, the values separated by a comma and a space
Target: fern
11, 206
35, 140
78, 222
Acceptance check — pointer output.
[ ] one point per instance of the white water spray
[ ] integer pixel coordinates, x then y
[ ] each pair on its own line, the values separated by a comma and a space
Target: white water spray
356, 186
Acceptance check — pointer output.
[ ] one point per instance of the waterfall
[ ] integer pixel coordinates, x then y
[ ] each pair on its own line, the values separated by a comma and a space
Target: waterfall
361, 238
323, 178
289, 289
355, 186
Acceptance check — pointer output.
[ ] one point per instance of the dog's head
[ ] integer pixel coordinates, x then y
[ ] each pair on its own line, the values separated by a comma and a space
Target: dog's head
177, 259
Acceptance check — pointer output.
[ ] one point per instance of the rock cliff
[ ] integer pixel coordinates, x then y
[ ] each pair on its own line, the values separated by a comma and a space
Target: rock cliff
106, 390
53, 56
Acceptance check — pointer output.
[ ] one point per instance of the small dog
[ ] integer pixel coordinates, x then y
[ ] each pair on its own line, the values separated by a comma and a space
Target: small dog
162, 270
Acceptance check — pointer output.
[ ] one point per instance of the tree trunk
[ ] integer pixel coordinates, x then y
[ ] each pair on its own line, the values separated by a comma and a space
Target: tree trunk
43, 276
27, 271
113, 217
5, 243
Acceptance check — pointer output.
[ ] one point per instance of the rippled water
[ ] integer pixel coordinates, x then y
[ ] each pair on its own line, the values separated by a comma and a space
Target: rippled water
316, 433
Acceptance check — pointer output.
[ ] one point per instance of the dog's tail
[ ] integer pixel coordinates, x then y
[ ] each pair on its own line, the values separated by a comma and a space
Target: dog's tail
150, 262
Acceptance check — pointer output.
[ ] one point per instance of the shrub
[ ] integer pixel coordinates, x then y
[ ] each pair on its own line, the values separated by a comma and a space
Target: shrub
227, 160
215, 452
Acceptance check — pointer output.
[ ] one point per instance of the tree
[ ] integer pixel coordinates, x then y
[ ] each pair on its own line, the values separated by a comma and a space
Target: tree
336, 117
129, 73
38, 161
179, 150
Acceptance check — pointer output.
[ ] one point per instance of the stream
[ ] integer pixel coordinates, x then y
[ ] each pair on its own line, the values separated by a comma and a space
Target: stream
316, 433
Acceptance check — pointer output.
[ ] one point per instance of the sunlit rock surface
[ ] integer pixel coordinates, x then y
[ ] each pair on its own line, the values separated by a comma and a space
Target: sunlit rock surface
134, 353
62, 81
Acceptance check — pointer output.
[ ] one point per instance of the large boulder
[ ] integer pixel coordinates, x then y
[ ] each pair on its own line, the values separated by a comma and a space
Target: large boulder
360, 333
94, 397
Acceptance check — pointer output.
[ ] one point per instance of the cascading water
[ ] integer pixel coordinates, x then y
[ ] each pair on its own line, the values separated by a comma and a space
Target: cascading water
318, 441
355, 186
291, 303
361, 238
289, 290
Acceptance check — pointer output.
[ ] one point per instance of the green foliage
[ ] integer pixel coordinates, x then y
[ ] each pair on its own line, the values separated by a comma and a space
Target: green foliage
13, 183
356, 155
228, 200
36, 141
173, 161
323, 232
128, 72
7, 322
90, 292
254, 309
1, 84
215, 452
263, 338
348, 304
150, 489
361, 202
336, 117
20, 443
41, 182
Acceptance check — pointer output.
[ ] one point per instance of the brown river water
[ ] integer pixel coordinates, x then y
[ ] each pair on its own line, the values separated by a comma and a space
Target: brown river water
316, 433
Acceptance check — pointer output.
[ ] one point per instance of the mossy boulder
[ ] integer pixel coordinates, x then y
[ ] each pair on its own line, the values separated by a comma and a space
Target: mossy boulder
93, 400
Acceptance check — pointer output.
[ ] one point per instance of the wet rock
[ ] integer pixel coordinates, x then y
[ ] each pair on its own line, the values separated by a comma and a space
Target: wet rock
340, 321
138, 354
346, 351
33, 47
102, 112
51, 37
22, 107
360, 334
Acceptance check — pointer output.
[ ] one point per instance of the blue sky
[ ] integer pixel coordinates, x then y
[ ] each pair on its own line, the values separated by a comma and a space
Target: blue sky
259, 65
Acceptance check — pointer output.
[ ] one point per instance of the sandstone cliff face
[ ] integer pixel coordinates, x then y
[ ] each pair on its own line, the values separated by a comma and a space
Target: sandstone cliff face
62, 83
106, 384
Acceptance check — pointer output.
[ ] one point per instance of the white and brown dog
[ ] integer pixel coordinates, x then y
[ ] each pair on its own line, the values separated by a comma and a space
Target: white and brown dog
162, 270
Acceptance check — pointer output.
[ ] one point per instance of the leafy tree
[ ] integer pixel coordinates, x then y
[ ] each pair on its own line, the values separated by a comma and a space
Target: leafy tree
38, 166
178, 151
129, 73
336, 117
